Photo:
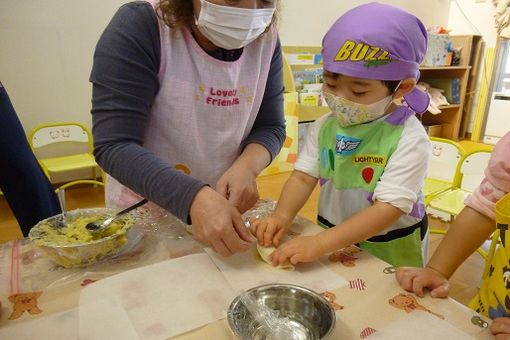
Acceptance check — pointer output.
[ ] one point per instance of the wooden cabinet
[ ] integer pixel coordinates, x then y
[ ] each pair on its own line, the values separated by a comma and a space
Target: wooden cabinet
454, 118
450, 118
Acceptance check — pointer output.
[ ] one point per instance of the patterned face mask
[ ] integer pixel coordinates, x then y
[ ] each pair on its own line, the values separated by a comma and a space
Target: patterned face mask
350, 113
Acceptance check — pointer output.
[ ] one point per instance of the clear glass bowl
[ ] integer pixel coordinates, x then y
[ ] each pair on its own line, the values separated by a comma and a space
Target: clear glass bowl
73, 245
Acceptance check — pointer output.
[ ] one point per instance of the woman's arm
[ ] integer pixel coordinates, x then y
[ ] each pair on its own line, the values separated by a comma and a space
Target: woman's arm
125, 83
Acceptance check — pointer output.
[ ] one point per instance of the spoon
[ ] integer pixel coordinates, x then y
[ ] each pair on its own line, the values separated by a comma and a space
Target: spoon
61, 219
98, 226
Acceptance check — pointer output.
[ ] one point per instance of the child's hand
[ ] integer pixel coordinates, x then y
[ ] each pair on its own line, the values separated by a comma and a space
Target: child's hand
500, 327
300, 249
416, 279
269, 230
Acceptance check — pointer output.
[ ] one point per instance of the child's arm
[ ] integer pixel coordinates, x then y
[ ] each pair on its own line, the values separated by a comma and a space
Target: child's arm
470, 226
296, 191
359, 227
469, 230
294, 195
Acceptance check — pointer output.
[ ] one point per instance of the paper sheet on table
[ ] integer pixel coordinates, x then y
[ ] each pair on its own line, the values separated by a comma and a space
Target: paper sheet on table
419, 325
155, 302
62, 325
246, 270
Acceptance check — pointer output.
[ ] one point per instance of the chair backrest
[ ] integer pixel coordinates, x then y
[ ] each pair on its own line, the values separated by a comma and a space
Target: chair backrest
47, 134
472, 169
446, 156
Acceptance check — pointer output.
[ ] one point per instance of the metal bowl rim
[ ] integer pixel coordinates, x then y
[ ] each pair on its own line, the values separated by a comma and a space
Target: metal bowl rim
236, 300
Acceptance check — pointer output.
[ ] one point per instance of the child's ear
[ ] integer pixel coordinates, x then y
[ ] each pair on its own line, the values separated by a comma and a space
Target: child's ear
406, 86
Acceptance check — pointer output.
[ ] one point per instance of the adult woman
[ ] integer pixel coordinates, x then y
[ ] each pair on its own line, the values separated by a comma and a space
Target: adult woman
186, 99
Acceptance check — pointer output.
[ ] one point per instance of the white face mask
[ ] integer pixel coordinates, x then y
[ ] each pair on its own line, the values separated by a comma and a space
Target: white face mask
350, 113
232, 27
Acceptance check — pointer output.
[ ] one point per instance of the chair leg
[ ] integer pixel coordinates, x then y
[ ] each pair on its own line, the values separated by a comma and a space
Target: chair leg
437, 231
81, 181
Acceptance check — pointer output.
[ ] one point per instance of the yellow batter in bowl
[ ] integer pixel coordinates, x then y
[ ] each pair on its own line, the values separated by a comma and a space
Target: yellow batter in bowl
73, 245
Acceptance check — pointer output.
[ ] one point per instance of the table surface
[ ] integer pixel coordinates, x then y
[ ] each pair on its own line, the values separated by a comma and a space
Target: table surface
363, 305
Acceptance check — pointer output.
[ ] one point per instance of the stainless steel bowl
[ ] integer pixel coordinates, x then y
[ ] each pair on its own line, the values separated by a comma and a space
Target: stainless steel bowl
68, 251
309, 314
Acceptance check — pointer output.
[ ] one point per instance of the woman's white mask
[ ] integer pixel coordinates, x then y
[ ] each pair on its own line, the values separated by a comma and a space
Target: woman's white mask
232, 27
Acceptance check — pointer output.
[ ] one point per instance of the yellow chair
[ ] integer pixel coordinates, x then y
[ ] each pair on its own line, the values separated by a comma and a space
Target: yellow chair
60, 133
469, 174
446, 156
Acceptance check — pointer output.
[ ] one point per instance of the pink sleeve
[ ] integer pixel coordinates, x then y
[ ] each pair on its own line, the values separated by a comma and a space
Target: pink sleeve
496, 182
498, 171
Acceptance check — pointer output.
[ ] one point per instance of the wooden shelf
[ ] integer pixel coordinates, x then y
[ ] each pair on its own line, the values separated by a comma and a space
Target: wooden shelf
301, 67
451, 116
451, 106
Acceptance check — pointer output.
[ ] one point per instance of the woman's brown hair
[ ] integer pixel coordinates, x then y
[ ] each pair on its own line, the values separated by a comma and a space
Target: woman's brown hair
179, 13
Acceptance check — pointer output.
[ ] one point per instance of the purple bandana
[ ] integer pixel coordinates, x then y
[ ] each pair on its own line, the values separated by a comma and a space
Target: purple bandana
378, 41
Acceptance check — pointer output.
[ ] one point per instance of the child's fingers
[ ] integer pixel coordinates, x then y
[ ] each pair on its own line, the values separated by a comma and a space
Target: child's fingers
440, 291
404, 278
502, 336
254, 223
280, 256
417, 284
261, 229
278, 237
274, 257
500, 326
295, 259
269, 233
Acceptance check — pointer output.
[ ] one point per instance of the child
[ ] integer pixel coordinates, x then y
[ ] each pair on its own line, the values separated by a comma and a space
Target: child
469, 230
369, 154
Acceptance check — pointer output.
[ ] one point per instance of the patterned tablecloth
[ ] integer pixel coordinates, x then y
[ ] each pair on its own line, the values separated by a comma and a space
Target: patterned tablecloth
41, 300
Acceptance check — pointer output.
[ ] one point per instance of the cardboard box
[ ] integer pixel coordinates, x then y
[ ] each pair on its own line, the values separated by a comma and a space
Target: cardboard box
437, 50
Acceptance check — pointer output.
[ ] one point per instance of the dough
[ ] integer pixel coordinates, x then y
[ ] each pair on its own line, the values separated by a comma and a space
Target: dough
264, 253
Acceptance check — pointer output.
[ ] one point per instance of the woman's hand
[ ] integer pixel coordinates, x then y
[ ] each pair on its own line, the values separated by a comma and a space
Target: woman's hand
218, 224
239, 187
